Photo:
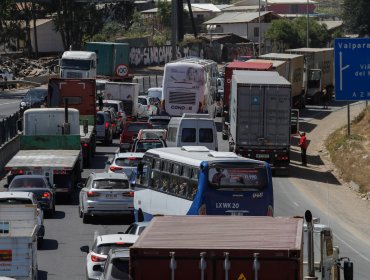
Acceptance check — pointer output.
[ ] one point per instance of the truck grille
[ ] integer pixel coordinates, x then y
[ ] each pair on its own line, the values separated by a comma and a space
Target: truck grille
188, 98
74, 75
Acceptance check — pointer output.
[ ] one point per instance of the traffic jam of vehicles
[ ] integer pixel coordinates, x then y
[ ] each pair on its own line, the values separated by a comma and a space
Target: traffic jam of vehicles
168, 172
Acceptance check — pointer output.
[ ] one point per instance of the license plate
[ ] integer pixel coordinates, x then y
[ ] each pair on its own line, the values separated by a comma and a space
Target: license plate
111, 196
262, 156
236, 213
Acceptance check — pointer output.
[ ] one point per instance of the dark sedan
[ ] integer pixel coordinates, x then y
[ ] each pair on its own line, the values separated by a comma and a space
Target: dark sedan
40, 186
34, 98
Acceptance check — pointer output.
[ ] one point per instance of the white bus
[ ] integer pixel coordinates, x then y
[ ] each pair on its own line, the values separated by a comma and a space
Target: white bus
193, 180
190, 86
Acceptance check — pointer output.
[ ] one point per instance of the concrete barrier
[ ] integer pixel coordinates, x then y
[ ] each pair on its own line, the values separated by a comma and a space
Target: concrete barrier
7, 151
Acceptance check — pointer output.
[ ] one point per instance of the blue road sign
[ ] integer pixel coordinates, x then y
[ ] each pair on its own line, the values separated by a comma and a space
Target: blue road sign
352, 69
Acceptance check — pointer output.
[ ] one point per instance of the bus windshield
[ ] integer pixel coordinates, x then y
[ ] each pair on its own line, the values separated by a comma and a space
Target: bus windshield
81, 64
226, 176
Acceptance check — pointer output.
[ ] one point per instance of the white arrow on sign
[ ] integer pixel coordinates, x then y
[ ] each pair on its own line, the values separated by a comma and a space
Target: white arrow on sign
341, 70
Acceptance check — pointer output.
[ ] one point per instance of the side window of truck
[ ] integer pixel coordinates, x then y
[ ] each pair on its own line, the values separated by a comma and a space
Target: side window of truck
205, 135
188, 135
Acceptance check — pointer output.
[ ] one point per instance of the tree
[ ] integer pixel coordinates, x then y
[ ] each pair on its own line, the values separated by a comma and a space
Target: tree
286, 33
356, 16
10, 27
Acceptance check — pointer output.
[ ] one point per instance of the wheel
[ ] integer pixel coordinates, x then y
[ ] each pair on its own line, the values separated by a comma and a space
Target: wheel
85, 218
53, 209
79, 211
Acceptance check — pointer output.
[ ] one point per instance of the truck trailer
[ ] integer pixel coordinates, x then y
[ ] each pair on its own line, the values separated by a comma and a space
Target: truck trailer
18, 242
219, 247
319, 72
260, 117
50, 146
128, 93
294, 74
229, 69
81, 95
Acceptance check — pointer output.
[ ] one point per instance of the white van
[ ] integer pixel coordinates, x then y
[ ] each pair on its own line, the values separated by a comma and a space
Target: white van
192, 130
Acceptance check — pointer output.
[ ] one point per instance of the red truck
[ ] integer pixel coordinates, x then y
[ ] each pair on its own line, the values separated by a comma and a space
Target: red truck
218, 248
229, 68
81, 95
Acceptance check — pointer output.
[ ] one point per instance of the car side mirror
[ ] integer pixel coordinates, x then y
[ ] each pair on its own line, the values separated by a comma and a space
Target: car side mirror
109, 162
54, 186
85, 249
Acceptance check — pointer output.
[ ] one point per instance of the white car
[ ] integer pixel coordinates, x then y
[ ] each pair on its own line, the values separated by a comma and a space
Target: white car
155, 92
148, 106
124, 163
97, 256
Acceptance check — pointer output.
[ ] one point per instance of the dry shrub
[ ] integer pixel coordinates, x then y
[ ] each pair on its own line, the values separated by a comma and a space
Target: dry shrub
351, 154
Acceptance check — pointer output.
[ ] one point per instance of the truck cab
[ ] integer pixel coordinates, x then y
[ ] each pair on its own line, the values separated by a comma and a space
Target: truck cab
77, 65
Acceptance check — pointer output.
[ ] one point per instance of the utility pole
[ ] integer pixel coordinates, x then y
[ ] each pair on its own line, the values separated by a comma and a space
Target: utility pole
259, 27
174, 29
308, 22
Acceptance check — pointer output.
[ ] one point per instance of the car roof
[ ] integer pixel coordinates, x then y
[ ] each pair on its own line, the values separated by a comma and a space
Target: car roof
106, 175
155, 89
111, 101
128, 155
29, 176
113, 238
16, 195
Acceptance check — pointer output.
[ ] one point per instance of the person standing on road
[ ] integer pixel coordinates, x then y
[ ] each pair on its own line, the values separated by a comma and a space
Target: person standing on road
324, 98
303, 144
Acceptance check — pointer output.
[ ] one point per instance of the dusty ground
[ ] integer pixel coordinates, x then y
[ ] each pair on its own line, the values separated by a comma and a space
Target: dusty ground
322, 182
351, 153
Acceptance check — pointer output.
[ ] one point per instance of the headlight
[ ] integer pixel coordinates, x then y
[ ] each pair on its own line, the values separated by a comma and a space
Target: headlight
23, 104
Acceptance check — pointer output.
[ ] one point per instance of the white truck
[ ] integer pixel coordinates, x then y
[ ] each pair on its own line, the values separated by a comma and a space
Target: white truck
128, 93
319, 71
293, 73
50, 146
260, 117
18, 241
77, 65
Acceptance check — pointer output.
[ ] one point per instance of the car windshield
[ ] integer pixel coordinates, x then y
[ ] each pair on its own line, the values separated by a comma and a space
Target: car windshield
27, 183
111, 184
103, 249
144, 146
37, 93
15, 201
132, 162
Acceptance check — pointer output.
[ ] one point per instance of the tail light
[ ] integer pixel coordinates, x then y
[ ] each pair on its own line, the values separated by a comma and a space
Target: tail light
115, 168
98, 259
128, 194
270, 211
46, 195
85, 145
106, 125
92, 194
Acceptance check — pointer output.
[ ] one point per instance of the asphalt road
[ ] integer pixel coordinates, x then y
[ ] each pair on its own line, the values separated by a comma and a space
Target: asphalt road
60, 256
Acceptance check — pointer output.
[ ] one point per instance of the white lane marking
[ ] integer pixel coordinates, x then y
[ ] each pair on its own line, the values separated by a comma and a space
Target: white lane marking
9, 103
295, 203
357, 252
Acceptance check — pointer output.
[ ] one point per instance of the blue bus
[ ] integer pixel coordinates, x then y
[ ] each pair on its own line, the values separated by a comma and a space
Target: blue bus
193, 180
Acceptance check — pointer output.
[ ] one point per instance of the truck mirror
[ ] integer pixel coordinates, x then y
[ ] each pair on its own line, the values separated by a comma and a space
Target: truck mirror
85, 124
348, 270
294, 122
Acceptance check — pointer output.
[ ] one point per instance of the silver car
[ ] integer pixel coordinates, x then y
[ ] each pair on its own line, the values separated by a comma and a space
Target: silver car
105, 194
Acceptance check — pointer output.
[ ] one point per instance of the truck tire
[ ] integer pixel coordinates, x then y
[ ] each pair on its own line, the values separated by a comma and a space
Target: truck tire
79, 211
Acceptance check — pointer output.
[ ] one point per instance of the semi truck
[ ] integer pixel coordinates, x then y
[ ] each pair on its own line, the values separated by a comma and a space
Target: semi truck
229, 69
237, 247
128, 93
318, 71
81, 95
18, 242
219, 247
260, 117
50, 146
293, 73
